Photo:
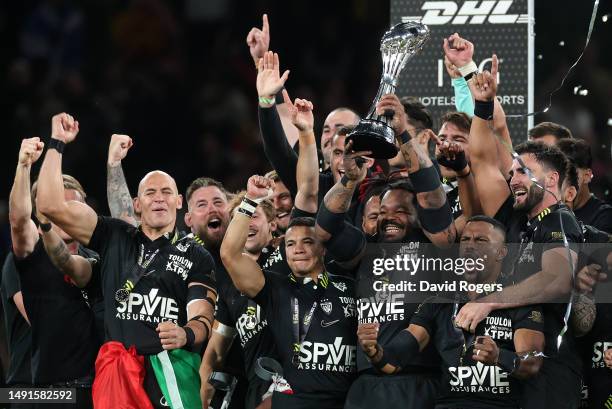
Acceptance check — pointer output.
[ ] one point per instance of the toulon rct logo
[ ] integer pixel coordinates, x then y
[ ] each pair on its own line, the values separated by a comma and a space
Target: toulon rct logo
470, 12
319, 356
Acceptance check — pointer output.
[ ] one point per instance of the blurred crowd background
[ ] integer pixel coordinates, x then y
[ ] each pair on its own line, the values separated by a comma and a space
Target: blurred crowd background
178, 78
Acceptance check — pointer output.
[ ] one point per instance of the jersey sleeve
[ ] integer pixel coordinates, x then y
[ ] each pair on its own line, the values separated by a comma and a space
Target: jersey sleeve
557, 225
270, 292
11, 284
222, 314
528, 317
203, 270
425, 315
108, 231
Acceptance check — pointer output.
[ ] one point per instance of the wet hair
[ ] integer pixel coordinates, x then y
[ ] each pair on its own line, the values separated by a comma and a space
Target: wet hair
418, 115
460, 119
205, 182
577, 151
497, 225
302, 221
572, 175
550, 128
550, 157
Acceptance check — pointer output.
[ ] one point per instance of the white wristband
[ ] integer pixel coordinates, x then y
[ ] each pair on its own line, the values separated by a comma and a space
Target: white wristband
468, 68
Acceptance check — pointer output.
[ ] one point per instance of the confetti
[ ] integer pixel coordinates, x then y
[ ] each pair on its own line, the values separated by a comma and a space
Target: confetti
605, 18
546, 109
539, 56
609, 121
561, 43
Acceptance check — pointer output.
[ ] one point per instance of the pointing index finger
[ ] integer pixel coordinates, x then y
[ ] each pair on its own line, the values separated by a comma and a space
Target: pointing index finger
265, 27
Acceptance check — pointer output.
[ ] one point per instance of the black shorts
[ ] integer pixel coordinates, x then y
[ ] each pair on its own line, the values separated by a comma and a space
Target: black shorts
401, 391
556, 386
305, 401
257, 388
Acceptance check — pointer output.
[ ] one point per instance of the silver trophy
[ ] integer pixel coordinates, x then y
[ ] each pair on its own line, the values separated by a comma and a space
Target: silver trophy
398, 45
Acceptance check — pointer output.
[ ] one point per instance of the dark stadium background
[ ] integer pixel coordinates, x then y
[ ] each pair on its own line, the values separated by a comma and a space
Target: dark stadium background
178, 78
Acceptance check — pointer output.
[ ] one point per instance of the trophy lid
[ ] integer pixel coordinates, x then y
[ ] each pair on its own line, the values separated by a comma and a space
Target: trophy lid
409, 36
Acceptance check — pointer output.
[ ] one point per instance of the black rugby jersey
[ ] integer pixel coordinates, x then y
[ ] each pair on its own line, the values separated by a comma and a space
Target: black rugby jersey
172, 262
467, 383
325, 365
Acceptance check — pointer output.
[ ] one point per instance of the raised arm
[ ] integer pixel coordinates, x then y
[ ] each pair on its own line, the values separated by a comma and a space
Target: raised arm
459, 52
77, 219
433, 209
244, 271
117, 192
278, 151
75, 266
550, 284
307, 172
258, 41
343, 240
24, 233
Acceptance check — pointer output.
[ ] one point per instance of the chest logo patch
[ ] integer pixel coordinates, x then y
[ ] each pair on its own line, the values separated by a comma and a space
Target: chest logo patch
326, 306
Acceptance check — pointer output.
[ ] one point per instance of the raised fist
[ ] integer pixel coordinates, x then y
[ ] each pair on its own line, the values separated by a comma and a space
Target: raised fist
459, 51
118, 148
64, 127
30, 151
259, 40
259, 187
367, 334
301, 112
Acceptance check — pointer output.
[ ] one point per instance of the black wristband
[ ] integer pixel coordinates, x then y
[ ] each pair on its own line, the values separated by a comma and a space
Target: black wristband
457, 164
425, 179
484, 109
190, 337
404, 137
508, 360
470, 75
401, 349
57, 145
45, 227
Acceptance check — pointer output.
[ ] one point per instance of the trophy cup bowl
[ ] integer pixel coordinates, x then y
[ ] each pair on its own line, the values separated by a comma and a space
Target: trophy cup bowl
398, 45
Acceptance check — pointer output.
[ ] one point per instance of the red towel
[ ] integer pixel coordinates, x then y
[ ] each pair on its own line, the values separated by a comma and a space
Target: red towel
119, 378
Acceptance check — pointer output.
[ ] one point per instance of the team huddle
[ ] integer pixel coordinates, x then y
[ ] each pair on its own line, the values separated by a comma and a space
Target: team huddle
279, 295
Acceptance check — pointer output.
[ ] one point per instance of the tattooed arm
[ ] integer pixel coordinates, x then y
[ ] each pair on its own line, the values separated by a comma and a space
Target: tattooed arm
117, 192
583, 314
434, 212
75, 266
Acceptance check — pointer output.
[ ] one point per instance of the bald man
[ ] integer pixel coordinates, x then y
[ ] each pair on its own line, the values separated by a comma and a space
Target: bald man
159, 290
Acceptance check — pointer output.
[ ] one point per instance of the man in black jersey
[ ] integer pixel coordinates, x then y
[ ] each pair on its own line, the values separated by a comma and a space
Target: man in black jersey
158, 286
238, 315
539, 227
306, 311
280, 154
402, 203
549, 133
283, 202
50, 265
480, 369
588, 208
